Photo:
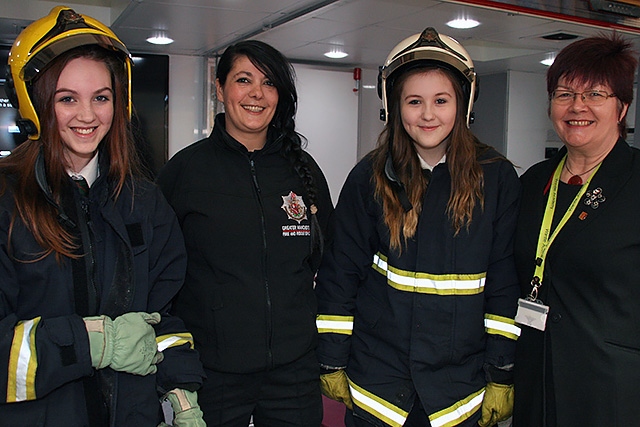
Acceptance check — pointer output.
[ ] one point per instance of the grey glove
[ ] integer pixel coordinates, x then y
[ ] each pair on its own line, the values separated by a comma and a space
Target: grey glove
127, 343
185, 407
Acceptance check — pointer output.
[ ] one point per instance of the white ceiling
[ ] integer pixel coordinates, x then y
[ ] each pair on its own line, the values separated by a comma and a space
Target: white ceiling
304, 29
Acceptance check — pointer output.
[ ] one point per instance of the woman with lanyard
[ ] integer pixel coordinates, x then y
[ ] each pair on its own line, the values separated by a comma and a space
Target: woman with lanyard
578, 250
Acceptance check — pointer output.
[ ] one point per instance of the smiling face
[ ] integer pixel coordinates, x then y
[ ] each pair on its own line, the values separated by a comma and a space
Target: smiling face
428, 110
250, 100
590, 129
84, 109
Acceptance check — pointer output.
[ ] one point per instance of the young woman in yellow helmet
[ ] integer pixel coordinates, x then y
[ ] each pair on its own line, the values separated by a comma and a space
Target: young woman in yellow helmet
90, 253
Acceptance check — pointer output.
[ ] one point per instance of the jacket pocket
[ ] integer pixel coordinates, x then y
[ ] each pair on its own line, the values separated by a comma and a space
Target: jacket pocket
623, 346
136, 236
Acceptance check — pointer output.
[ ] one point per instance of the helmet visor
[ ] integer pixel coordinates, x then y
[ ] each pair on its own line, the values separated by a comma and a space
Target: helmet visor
38, 61
428, 55
430, 47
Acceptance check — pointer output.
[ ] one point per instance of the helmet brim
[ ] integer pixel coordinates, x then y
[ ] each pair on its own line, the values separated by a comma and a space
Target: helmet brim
428, 49
39, 60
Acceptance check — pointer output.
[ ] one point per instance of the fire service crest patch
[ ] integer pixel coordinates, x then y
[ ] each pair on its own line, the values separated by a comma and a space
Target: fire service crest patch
294, 206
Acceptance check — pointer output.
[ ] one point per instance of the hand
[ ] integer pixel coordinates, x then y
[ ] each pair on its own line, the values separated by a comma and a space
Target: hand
185, 407
126, 344
497, 404
336, 387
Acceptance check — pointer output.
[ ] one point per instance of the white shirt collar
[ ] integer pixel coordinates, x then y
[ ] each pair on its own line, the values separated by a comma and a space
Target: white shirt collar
426, 165
90, 172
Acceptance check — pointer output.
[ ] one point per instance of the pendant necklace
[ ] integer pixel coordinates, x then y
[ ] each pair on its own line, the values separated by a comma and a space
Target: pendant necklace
576, 178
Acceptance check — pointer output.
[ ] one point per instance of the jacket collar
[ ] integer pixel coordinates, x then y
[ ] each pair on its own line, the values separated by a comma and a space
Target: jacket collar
615, 166
219, 133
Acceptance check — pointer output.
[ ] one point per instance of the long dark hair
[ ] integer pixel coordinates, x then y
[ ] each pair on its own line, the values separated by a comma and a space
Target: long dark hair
33, 208
280, 72
462, 160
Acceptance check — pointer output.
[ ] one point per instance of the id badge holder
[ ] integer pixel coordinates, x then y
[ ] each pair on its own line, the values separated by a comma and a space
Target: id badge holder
532, 313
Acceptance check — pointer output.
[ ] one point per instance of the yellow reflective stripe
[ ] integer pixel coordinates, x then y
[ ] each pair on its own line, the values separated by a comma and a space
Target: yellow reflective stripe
499, 325
458, 412
23, 362
174, 340
14, 355
377, 407
334, 324
425, 283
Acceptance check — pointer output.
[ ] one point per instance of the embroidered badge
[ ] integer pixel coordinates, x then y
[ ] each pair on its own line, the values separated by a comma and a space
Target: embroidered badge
594, 198
294, 206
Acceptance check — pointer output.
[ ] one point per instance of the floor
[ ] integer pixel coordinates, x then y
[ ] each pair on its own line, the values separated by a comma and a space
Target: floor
333, 413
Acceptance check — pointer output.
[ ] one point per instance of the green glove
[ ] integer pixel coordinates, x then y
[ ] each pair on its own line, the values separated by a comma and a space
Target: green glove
336, 387
497, 404
185, 407
127, 343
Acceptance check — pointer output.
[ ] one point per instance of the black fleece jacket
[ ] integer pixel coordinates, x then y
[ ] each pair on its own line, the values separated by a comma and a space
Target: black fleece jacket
248, 297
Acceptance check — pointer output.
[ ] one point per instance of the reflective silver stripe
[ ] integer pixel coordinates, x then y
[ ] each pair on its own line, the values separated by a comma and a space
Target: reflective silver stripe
174, 340
458, 412
439, 284
334, 324
23, 362
499, 325
396, 417
377, 407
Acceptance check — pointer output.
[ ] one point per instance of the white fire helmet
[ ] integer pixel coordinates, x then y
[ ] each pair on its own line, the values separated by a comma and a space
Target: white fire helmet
426, 48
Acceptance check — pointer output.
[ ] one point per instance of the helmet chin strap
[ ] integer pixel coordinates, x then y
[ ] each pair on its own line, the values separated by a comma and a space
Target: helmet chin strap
41, 179
398, 186
27, 127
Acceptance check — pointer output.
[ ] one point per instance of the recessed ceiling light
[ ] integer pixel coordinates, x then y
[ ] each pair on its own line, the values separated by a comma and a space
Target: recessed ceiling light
160, 38
463, 23
548, 60
336, 53
560, 36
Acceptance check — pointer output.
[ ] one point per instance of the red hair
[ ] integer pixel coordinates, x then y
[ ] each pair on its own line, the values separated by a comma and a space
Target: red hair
604, 59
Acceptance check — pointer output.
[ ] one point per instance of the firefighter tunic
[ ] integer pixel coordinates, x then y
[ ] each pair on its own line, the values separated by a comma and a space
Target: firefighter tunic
136, 262
422, 322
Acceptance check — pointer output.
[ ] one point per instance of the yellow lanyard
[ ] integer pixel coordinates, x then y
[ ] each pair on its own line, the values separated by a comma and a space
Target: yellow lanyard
546, 237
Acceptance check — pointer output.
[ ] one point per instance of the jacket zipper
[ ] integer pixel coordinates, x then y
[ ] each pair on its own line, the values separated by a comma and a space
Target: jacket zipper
264, 264
90, 262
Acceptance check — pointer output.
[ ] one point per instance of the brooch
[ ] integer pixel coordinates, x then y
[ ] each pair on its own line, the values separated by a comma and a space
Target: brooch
594, 197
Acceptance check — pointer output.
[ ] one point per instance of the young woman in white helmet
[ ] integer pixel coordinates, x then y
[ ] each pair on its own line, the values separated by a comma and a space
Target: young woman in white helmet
87, 272
417, 291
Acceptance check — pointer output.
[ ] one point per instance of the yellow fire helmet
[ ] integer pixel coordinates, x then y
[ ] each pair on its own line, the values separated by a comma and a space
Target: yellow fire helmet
42, 41
426, 48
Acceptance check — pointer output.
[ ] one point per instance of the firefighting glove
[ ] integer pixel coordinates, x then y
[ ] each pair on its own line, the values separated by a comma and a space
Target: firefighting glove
127, 343
185, 407
497, 404
335, 386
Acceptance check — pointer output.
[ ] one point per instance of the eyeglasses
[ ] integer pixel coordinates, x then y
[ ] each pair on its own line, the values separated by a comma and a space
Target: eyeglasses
590, 97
